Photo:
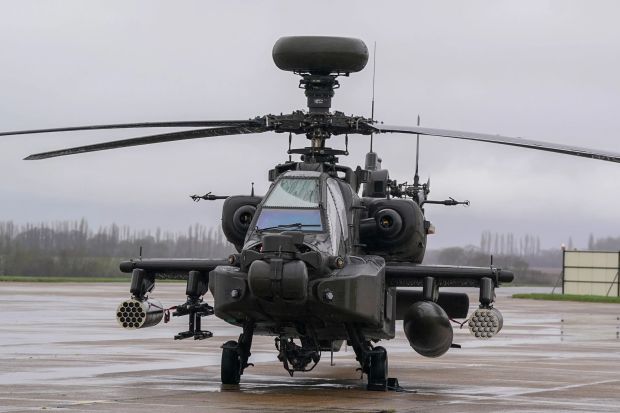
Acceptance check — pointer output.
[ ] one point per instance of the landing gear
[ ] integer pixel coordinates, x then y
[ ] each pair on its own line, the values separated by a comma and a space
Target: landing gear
378, 369
373, 362
231, 365
235, 355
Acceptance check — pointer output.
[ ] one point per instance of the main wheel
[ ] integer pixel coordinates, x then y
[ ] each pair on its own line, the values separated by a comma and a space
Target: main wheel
231, 365
378, 369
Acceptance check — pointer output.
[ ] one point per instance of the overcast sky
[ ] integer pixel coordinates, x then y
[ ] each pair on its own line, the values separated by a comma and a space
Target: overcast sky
547, 70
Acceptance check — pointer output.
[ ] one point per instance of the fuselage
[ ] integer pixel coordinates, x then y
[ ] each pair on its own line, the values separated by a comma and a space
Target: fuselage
303, 267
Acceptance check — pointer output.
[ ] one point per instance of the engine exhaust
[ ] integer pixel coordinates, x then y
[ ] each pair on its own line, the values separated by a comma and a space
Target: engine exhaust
133, 314
486, 323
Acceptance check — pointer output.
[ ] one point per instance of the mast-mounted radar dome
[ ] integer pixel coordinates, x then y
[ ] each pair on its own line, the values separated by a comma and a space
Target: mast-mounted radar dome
321, 55
319, 60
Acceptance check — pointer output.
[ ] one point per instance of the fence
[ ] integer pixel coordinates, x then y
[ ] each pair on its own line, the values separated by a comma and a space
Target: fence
591, 273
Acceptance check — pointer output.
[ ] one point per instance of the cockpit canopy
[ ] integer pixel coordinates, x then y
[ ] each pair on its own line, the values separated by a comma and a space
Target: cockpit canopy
310, 202
293, 203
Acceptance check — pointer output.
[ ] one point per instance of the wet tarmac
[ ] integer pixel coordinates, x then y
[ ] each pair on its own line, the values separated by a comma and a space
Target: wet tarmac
61, 350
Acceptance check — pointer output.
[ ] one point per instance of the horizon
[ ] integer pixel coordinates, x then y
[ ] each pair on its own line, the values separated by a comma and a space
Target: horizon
139, 232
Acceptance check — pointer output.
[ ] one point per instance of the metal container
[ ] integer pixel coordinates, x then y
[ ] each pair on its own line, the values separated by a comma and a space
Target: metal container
133, 314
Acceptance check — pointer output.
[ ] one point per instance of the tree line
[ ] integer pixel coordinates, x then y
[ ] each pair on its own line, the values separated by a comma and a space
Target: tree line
523, 255
508, 244
604, 244
72, 248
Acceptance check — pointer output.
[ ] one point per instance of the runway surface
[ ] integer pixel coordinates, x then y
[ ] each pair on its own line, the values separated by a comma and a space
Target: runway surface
61, 350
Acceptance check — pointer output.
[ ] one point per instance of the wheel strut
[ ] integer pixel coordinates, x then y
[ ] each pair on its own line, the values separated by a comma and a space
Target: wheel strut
373, 362
235, 355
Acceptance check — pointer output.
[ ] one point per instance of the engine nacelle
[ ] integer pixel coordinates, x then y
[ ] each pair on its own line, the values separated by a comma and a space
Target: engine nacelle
428, 329
237, 214
389, 223
132, 314
393, 229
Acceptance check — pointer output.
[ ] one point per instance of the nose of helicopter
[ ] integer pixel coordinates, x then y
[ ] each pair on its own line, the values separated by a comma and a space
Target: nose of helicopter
277, 278
280, 274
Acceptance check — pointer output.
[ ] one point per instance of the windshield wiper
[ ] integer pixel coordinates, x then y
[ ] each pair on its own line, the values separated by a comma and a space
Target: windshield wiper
297, 225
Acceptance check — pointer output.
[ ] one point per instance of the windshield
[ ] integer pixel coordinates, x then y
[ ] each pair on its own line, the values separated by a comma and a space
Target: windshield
308, 220
294, 193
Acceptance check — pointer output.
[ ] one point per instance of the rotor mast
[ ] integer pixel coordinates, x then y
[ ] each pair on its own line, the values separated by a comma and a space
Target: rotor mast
319, 91
319, 61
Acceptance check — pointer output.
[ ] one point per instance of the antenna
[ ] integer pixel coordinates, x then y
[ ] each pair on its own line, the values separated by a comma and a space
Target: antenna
290, 138
416, 178
372, 105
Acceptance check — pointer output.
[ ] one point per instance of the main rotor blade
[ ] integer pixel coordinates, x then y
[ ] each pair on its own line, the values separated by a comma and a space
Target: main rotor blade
147, 140
171, 124
504, 140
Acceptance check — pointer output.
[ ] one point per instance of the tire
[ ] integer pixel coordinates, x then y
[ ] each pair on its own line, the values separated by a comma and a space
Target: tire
378, 371
231, 365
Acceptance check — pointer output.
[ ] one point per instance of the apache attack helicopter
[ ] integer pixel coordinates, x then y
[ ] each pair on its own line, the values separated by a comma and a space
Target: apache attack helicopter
316, 262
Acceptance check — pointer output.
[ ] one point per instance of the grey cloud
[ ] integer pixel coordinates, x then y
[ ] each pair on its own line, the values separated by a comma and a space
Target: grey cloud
542, 70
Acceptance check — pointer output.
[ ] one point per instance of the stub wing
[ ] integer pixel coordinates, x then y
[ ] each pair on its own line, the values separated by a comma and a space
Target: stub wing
172, 268
412, 275
396, 274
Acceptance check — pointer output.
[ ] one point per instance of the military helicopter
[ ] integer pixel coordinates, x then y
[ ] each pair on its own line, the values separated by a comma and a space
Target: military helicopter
318, 264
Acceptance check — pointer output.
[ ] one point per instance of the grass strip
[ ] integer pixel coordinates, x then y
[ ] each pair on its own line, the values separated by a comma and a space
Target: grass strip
25, 278
569, 297
34, 279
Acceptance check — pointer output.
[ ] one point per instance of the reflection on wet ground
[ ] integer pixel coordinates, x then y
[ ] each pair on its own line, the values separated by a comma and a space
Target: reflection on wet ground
60, 349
